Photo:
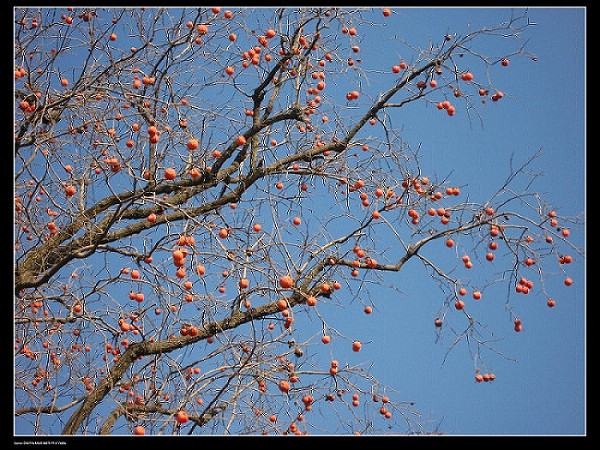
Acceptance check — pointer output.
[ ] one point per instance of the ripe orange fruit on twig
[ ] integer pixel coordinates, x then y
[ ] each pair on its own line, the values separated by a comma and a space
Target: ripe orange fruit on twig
182, 417
286, 282
284, 386
170, 173
192, 144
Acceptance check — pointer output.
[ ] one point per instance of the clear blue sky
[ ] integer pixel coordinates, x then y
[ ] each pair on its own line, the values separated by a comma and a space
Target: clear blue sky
540, 386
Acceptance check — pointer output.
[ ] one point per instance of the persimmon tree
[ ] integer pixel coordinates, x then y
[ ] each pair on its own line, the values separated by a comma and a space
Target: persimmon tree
192, 205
